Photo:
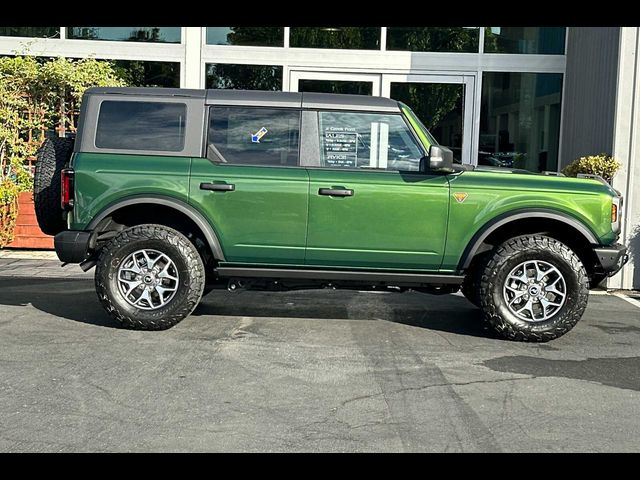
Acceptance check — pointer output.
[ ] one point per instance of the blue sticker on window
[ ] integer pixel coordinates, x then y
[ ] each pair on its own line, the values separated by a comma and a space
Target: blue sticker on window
255, 137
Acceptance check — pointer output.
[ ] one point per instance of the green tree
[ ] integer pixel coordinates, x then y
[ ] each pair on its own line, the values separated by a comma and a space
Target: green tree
40, 95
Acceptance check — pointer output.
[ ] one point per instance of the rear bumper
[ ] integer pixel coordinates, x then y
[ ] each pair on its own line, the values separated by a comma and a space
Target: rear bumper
72, 245
612, 258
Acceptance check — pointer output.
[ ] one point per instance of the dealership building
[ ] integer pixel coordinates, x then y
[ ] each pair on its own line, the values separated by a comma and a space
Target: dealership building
527, 97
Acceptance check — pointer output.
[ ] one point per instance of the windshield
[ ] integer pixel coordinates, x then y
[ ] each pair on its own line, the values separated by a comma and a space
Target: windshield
421, 130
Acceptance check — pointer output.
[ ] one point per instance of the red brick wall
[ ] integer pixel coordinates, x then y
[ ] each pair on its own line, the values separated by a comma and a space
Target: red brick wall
27, 233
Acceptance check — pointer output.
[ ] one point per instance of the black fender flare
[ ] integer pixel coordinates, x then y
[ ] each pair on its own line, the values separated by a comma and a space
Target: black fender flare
176, 204
501, 220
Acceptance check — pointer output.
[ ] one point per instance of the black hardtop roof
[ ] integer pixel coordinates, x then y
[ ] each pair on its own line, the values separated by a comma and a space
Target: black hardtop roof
260, 98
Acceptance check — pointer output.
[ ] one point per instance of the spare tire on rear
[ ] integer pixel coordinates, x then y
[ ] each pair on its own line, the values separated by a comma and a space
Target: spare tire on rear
53, 155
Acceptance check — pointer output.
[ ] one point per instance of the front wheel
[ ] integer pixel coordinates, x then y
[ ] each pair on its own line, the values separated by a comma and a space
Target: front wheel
149, 277
534, 288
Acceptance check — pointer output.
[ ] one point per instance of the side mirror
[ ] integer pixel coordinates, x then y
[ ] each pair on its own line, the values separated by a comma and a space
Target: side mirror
440, 159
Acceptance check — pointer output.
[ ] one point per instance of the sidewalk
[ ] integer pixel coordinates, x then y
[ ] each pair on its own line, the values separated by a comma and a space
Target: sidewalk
37, 264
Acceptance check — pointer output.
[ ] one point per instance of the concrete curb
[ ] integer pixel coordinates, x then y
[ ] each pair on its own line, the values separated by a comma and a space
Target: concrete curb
29, 254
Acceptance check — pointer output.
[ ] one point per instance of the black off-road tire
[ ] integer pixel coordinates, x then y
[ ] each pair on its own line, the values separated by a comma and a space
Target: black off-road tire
52, 157
506, 257
470, 285
163, 239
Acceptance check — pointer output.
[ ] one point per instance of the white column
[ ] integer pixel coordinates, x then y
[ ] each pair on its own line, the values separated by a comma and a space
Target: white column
626, 149
192, 70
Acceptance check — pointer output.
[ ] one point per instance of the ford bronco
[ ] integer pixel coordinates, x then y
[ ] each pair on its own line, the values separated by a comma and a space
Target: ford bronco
171, 193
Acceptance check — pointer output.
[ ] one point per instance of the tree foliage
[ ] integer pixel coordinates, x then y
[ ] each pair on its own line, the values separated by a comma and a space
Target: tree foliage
39, 96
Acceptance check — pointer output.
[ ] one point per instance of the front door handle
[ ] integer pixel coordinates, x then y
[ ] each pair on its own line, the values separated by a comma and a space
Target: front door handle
336, 192
218, 187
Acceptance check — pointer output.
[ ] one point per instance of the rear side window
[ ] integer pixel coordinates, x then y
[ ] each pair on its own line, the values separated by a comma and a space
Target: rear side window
254, 136
154, 126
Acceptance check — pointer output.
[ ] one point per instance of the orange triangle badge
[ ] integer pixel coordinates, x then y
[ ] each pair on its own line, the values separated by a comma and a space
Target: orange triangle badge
460, 196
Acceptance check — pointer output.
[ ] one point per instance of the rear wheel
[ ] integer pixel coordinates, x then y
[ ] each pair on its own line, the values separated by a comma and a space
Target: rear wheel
149, 277
533, 288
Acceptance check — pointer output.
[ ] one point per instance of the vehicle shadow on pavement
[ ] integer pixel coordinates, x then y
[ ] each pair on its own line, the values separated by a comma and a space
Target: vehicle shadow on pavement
445, 313
68, 298
76, 300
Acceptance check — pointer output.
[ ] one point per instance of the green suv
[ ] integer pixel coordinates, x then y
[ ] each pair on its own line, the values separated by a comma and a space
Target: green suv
171, 193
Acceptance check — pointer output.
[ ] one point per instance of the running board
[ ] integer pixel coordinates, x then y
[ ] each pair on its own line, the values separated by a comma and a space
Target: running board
345, 275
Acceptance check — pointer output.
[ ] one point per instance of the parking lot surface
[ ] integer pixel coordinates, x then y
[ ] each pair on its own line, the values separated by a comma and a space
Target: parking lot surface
306, 371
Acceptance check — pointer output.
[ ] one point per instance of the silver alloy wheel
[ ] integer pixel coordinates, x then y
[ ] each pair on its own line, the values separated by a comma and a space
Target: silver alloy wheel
148, 279
535, 291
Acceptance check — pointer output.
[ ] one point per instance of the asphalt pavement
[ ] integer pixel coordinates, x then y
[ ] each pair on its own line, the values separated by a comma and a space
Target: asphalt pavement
306, 371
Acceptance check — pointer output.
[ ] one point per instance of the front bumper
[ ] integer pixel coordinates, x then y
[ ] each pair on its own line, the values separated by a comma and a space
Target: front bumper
72, 246
612, 258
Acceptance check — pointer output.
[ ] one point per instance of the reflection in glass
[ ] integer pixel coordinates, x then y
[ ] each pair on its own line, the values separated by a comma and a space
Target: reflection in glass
540, 40
138, 73
256, 136
367, 38
254, 36
244, 77
363, 140
433, 39
141, 126
127, 34
335, 86
46, 32
440, 106
520, 120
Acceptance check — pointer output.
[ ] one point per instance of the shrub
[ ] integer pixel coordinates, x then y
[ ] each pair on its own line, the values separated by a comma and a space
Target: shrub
8, 211
604, 165
38, 96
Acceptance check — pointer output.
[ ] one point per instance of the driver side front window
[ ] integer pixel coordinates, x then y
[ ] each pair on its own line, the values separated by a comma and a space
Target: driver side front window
367, 141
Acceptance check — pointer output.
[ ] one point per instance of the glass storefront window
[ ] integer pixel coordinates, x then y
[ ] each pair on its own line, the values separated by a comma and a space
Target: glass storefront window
433, 39
41, 32
244, 77
335, 86
520, 120
252, 36
127, 34
440, 106
364, 38
540, 40
138, 73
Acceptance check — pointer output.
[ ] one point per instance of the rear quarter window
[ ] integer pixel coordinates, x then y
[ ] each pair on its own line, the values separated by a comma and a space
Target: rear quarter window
153, 126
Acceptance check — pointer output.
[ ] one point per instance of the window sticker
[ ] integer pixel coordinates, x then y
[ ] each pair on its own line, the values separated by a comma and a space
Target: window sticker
341, 146
255, 137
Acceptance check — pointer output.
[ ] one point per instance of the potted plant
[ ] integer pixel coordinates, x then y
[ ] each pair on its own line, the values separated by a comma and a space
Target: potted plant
604, 165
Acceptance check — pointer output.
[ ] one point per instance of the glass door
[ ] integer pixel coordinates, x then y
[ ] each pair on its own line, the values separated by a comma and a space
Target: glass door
444, 103
333, 82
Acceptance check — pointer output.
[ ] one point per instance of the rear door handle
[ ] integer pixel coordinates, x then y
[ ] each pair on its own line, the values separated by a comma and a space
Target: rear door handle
218, 187
336, 192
